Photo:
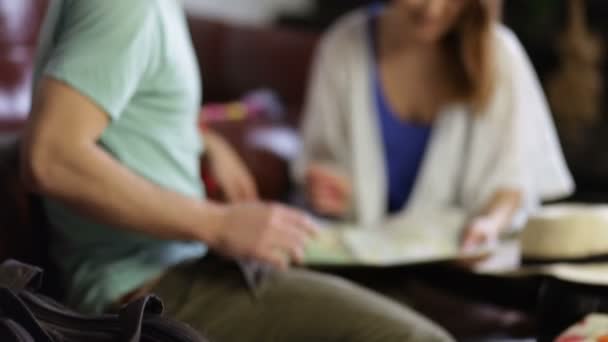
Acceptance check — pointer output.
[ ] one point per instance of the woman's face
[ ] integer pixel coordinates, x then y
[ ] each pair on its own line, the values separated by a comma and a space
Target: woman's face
430, 20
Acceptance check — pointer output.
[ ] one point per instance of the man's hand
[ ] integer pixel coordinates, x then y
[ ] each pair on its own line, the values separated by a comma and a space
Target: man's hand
273, 234
230, 171
330, 191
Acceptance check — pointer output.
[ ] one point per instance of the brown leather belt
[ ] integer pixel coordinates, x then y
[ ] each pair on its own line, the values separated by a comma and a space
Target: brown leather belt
136, 294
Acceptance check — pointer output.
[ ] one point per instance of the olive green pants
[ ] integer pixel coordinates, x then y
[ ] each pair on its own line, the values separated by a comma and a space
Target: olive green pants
212, 296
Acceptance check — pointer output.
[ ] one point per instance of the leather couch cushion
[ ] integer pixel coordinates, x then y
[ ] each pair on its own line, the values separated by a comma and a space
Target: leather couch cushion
237, 59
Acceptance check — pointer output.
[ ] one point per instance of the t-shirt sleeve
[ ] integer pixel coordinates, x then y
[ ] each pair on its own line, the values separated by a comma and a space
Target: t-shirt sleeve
104, 49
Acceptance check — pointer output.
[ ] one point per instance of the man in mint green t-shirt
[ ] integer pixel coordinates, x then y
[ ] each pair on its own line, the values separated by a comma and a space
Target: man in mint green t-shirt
113, 147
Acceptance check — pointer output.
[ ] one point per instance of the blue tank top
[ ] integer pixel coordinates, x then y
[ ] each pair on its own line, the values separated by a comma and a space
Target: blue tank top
404, 142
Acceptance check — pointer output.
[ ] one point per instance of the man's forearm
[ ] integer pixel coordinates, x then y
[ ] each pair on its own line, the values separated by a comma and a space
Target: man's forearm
90, 181
61, 159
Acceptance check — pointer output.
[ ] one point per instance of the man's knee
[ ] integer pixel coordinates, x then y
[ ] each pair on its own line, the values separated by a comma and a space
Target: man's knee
409, 329
389, 321
355, 314
435, 334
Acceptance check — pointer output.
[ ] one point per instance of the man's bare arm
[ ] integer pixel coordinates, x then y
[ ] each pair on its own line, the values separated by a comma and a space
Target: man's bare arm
62, 160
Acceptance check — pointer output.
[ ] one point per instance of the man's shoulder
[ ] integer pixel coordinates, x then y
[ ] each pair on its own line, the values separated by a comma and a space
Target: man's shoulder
131, 10
96, 23
137, 5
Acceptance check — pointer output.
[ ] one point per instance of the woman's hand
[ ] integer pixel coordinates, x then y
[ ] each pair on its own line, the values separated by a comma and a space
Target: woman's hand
229, 170
485, 229
481, 232
329, 191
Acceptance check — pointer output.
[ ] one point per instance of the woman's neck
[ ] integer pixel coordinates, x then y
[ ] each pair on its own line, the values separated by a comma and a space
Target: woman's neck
417, 77
396, 32
397, 45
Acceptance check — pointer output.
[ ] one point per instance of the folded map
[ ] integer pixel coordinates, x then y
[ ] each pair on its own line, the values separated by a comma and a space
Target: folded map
408, 239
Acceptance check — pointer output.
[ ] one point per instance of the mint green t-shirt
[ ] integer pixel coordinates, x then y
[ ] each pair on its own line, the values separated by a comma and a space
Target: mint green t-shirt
134, 59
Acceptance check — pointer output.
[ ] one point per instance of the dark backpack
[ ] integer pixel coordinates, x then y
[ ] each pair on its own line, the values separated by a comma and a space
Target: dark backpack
29, 317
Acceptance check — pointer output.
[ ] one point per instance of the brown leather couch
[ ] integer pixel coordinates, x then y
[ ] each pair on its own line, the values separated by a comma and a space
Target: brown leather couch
234, 60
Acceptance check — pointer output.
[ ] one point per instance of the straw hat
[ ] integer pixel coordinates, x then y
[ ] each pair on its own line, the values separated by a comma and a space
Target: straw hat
566, 232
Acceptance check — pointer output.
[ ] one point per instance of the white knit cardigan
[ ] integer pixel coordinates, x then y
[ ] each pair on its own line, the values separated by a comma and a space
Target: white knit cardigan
512, 144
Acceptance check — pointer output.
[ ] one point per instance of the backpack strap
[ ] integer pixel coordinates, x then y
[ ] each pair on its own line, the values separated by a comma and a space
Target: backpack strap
12, 331
19, 276
13, 307
132, 316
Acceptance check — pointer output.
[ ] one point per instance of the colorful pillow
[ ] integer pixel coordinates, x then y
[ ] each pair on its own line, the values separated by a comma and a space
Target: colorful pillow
594, 328
255, 104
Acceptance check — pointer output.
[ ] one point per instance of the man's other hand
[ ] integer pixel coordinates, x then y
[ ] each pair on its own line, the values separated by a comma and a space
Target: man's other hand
230, 171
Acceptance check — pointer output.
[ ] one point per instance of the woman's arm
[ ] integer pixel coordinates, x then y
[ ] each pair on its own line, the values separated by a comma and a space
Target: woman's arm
525, 152
496, 217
